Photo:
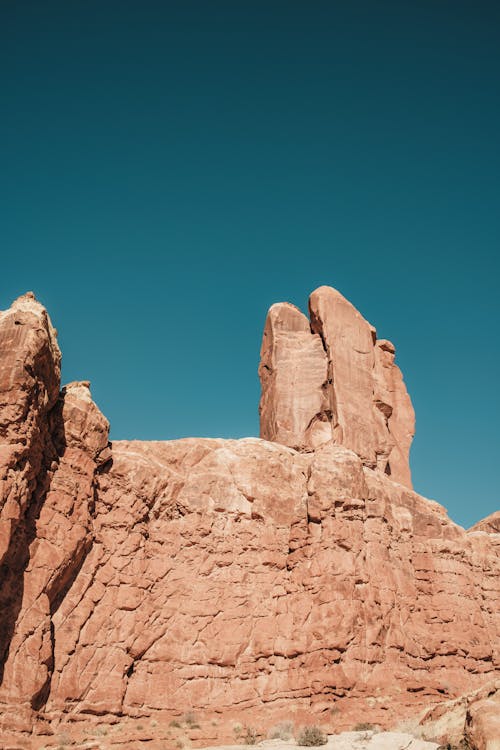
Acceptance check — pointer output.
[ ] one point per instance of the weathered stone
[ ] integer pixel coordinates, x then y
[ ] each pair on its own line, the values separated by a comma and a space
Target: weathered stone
333, 380
473, 720
29, 386
293, 370
482, 724
490, 524
243, 580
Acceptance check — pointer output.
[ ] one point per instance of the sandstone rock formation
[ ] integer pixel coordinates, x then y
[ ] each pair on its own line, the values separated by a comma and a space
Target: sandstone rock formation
242, 580
332, 379
473, 720
482, 723
490, 524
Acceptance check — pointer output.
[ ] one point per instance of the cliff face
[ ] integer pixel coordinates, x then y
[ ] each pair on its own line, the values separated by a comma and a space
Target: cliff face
244, 580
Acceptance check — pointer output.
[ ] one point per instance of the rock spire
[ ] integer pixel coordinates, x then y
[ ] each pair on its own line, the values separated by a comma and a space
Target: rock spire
330, 379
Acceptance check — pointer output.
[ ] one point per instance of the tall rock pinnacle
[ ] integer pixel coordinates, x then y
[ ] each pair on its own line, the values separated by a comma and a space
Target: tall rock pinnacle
330, 378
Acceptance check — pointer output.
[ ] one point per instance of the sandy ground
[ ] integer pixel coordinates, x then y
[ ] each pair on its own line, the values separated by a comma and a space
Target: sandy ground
349, 741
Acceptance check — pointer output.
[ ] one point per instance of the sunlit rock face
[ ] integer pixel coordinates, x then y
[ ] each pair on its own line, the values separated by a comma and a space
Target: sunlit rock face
330, 379
251, 581
490, 524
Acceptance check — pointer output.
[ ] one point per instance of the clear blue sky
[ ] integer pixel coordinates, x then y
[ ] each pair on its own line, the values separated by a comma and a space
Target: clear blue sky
170, 169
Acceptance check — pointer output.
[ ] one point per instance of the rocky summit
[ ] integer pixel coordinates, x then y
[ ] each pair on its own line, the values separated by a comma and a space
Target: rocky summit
201, 591
331, 380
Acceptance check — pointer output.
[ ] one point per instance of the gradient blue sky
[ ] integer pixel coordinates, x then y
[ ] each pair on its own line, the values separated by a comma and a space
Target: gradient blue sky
170, 169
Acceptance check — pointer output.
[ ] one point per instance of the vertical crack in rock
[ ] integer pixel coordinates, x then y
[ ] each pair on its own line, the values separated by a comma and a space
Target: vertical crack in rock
81, 435
39, 699
15, 563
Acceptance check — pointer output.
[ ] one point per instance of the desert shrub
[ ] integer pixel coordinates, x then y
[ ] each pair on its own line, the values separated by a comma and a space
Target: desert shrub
175, 724
250, 736
311, 737
462, 745
282, 731
363, 726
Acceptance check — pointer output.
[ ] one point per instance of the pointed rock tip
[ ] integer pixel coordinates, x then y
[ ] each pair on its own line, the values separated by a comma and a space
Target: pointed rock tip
80, 388
326, 297
29, 303
325, 288
286, 316
276, 306
328, 294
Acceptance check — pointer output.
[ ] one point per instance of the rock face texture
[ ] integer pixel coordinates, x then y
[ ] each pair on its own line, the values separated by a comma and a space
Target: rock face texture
251, 581
51, 443
473, 718
490, 524
482, 723
330, 378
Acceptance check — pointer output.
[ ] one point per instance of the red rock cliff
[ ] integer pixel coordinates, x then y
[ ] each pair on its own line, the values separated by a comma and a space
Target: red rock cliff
245, 580
332, 379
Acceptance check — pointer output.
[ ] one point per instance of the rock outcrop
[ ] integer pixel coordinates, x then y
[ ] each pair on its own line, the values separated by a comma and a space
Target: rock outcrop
471, 721
482, 723
239, 581
332, 379
490, 524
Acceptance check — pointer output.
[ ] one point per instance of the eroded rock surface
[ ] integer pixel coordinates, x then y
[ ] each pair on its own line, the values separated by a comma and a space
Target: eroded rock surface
490, 524
237, 580
482, 724
473, 720
332, 379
